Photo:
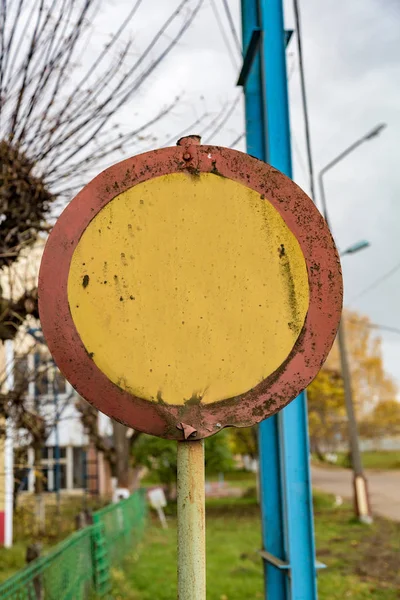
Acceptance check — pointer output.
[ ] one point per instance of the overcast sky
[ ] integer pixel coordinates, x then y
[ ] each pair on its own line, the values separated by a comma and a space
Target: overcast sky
352, 62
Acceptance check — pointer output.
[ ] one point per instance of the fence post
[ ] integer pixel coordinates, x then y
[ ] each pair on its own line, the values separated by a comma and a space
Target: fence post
81, 563
33, 552
101, 565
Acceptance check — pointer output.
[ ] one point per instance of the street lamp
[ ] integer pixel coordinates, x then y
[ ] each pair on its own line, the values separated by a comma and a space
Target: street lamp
362, 505
366, 138
361, 245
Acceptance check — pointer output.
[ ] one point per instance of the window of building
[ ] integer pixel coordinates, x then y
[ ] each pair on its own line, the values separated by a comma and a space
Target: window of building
46, 452
49, 379
22, 479
21, 469
52, 466
71, 469
41, 380
62, 476
79, 468
21, 374
60, 385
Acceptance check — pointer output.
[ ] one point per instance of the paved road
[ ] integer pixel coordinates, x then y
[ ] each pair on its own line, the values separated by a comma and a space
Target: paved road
384, 488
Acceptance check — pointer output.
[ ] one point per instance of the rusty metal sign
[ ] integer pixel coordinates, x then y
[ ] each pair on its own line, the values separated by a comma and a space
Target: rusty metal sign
189, 289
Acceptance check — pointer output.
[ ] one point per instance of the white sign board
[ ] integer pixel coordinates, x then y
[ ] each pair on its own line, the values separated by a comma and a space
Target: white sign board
157, 498
120, 494
158, 502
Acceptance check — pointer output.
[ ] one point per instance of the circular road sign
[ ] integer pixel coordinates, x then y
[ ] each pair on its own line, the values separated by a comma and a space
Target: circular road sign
188, 289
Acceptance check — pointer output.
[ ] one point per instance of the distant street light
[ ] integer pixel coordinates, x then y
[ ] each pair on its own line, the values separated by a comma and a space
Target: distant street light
362, 505
361, 245
366, 138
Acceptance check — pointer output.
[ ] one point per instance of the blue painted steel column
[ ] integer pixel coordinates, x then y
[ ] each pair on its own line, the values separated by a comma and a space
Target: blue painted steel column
287, 517
293, 426
268, 433
253, 89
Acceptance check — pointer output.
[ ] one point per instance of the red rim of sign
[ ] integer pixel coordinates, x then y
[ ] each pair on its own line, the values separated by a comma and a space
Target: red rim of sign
197, 420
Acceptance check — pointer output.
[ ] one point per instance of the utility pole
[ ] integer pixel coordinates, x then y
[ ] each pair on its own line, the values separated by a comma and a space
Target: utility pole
57, 481
286, 500
361, 499
7, 456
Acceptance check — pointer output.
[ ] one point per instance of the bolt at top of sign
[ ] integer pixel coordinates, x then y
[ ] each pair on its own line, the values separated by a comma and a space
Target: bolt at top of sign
190, 288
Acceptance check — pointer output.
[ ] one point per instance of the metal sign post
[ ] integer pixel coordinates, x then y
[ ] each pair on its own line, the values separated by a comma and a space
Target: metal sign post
191, 521
183, 291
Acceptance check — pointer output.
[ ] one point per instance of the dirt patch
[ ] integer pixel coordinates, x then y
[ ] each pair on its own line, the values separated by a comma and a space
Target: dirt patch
376, 557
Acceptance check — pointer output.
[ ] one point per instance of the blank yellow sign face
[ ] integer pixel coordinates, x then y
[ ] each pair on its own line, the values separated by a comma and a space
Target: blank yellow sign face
187, 287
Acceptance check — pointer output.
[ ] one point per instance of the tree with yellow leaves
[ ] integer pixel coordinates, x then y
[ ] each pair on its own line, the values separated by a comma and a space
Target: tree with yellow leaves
374, 391
383, 420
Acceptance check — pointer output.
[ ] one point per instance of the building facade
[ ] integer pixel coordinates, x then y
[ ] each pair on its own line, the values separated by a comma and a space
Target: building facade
68, 461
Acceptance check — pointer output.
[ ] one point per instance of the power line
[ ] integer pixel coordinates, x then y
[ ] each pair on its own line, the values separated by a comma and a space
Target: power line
232, 26
214, 120
237, 140
385, 328
298, 155
188, 129
375, 326
304, 100
226, 117
224, 35
377, 282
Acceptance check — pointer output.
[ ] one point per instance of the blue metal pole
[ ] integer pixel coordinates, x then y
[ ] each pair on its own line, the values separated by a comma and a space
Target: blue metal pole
253, 89
268, 434
294, 441
286, 501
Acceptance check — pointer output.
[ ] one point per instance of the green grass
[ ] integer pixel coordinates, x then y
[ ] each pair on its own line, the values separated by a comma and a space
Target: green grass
232, 563
362, 561
381, 460
384, 459
238, 479
12, 560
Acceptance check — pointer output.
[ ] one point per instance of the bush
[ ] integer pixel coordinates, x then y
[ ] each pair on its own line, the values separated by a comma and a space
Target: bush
159, 456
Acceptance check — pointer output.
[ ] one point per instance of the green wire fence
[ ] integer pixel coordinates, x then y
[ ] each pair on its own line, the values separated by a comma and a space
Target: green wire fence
78, 568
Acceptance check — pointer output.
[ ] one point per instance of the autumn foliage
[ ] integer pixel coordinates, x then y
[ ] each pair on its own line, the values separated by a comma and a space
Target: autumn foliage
374, 391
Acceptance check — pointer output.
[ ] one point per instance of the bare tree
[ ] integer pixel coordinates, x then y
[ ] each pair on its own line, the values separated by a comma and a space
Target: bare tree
117, 449
59, 124
58, 121
33, 418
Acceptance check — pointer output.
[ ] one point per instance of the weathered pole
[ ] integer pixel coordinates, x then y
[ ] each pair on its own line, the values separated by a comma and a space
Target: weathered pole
191, 521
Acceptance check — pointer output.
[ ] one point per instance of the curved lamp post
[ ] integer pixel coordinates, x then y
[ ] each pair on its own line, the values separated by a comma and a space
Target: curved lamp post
362, 504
